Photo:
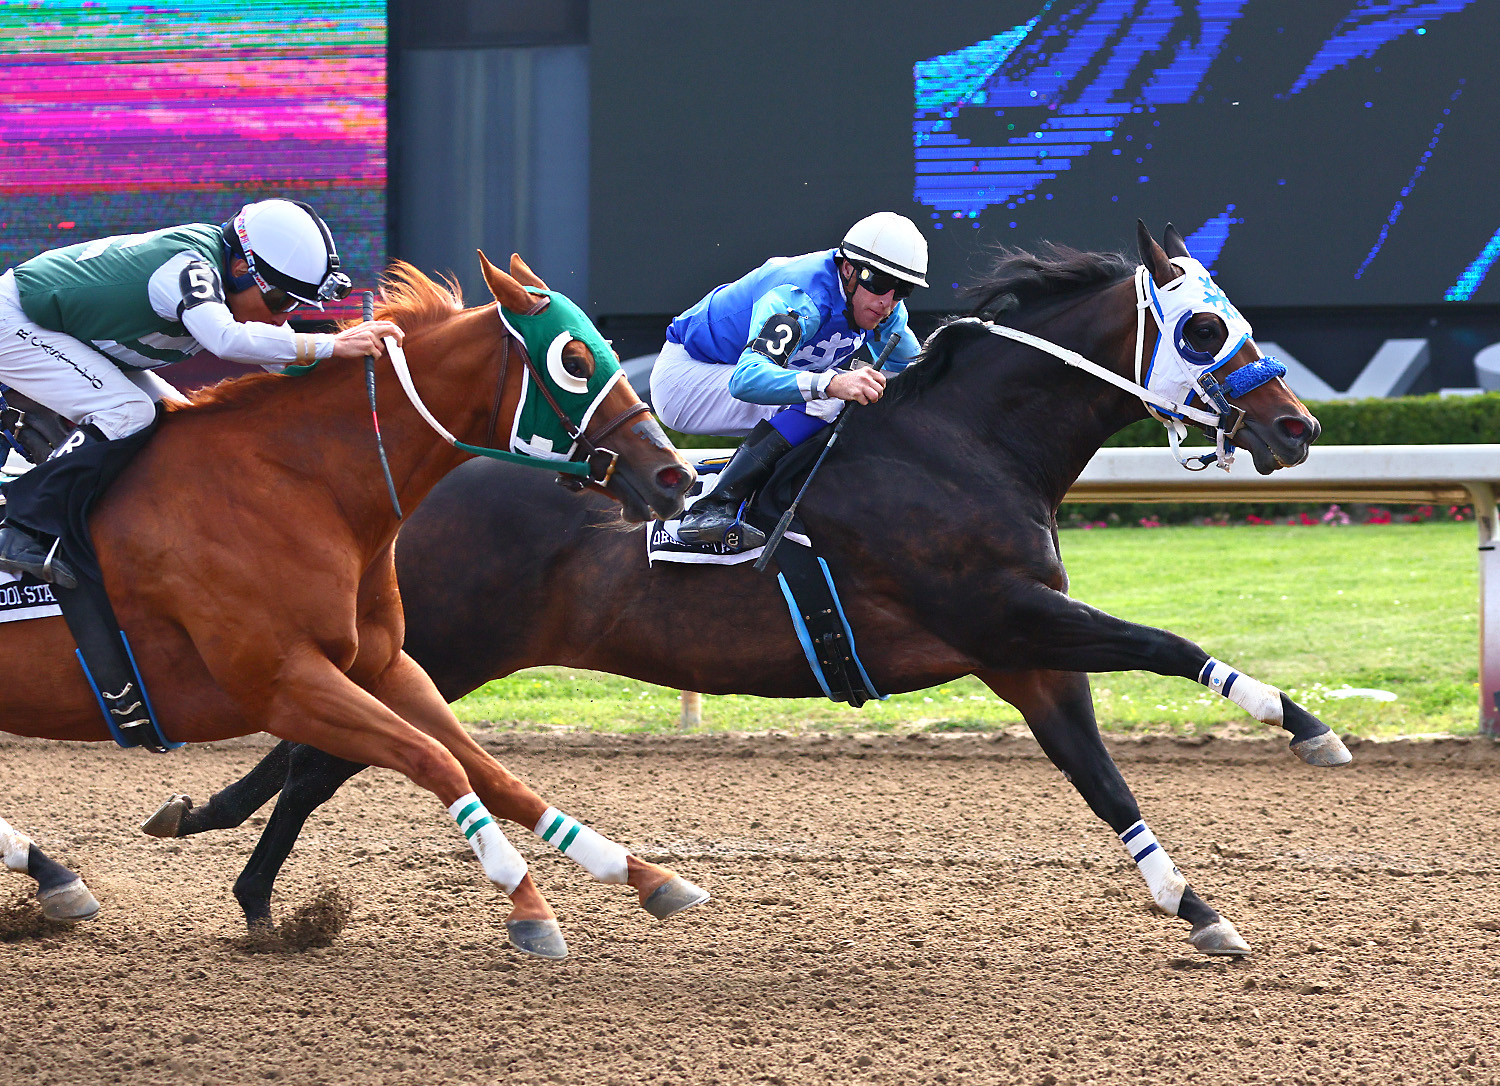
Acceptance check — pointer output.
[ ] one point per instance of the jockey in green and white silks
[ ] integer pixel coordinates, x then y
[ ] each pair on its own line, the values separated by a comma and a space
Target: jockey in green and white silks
81, 327
769, 355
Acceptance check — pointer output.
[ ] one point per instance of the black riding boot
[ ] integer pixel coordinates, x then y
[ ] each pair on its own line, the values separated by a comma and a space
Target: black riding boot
715, 518
27, 550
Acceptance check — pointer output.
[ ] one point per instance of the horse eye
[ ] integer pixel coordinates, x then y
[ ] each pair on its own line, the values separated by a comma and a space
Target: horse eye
1207, 331
577, 360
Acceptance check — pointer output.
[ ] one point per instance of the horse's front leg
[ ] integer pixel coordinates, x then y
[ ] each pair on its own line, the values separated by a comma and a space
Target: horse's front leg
62, 894
407, 689
312, 701
1062, 634
1060, 712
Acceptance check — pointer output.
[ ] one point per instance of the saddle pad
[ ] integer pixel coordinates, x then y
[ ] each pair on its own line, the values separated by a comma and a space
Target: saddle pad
22, 596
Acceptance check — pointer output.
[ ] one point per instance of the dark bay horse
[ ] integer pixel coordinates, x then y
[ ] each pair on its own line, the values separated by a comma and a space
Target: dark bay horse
248, 553
936, 513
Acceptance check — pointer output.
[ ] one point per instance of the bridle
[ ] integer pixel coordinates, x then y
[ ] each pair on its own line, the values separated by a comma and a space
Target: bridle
598, 461
592, 464
1222, 423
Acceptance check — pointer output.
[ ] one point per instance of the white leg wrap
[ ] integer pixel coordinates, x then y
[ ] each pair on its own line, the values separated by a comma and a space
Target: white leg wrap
1260, 700
15, 848
499, 858
593, 852
1157, 868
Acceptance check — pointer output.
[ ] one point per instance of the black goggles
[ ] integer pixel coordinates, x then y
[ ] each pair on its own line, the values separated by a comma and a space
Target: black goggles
336, 286
279, 301
880, 283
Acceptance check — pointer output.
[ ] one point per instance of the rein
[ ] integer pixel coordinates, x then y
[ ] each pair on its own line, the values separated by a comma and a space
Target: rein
598, 463
1170, 413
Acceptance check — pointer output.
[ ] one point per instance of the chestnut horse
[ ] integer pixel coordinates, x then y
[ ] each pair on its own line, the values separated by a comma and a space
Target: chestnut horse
248, 552
936, 513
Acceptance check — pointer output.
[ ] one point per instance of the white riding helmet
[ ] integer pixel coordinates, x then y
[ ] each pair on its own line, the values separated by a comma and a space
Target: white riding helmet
288, 247
888, 242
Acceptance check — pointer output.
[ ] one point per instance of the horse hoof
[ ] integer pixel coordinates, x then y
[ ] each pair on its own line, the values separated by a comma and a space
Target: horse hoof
672, 896
539, 938
1219, 938
168, 818
1326, 750
70, 902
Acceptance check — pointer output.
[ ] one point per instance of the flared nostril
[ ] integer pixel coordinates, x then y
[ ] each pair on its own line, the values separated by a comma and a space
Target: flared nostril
672, 479
1297, 429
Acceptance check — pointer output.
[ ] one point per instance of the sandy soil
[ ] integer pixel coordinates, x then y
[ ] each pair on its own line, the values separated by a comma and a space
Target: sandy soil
895, 911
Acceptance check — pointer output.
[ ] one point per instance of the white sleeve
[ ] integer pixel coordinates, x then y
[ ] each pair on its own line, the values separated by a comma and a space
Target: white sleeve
187, 288
215, 327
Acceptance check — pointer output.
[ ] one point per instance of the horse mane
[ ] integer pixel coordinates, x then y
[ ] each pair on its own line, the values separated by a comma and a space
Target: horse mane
1019, 285
406, 297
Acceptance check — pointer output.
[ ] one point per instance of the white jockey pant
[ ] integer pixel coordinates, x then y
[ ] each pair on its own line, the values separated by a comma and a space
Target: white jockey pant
693, 397
71, 377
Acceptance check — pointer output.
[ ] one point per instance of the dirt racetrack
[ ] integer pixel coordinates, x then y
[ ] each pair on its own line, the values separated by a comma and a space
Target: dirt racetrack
885, 910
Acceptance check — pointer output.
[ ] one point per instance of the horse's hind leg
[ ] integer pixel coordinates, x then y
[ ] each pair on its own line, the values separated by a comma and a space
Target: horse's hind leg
62, 894
662, 892
226, 808
1060, 712
1065, 635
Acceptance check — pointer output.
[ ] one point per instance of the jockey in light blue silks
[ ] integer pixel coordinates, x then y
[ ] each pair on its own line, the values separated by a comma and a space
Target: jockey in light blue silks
769, 355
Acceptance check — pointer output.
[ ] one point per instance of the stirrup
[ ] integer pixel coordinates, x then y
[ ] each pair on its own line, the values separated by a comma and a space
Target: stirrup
51, 568
56, 572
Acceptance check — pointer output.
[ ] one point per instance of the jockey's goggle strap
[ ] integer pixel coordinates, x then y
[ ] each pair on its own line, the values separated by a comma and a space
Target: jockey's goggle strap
335, 285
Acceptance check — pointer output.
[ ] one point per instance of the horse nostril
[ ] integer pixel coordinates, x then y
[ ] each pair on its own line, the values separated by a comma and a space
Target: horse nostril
1292, 428
670, 478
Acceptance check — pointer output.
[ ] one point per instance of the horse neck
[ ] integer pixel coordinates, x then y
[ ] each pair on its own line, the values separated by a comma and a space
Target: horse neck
1031, 411
454, 367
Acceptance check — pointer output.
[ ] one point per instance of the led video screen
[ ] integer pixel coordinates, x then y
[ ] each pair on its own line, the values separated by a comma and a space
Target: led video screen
1314, 153
121, 117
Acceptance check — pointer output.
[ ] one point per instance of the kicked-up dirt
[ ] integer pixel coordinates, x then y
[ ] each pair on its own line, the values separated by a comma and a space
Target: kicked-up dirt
938, 910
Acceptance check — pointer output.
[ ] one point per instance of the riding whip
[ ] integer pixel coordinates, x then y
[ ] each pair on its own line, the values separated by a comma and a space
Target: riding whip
785, 522
390, 484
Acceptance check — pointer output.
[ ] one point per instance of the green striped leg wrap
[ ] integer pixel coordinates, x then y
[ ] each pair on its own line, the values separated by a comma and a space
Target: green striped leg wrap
593, 852
499, 858
15, 848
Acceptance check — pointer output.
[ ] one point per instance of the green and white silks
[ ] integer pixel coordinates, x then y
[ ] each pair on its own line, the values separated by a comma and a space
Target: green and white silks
536, 430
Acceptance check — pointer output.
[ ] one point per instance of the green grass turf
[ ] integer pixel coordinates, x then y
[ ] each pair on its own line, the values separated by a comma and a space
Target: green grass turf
1392, 607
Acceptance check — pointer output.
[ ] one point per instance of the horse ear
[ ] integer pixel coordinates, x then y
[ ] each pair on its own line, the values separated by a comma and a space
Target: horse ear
1172, 242
523, 274
509, 293
1152, 256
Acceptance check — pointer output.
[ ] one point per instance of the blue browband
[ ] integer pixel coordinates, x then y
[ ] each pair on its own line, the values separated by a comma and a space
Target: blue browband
1253, 376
